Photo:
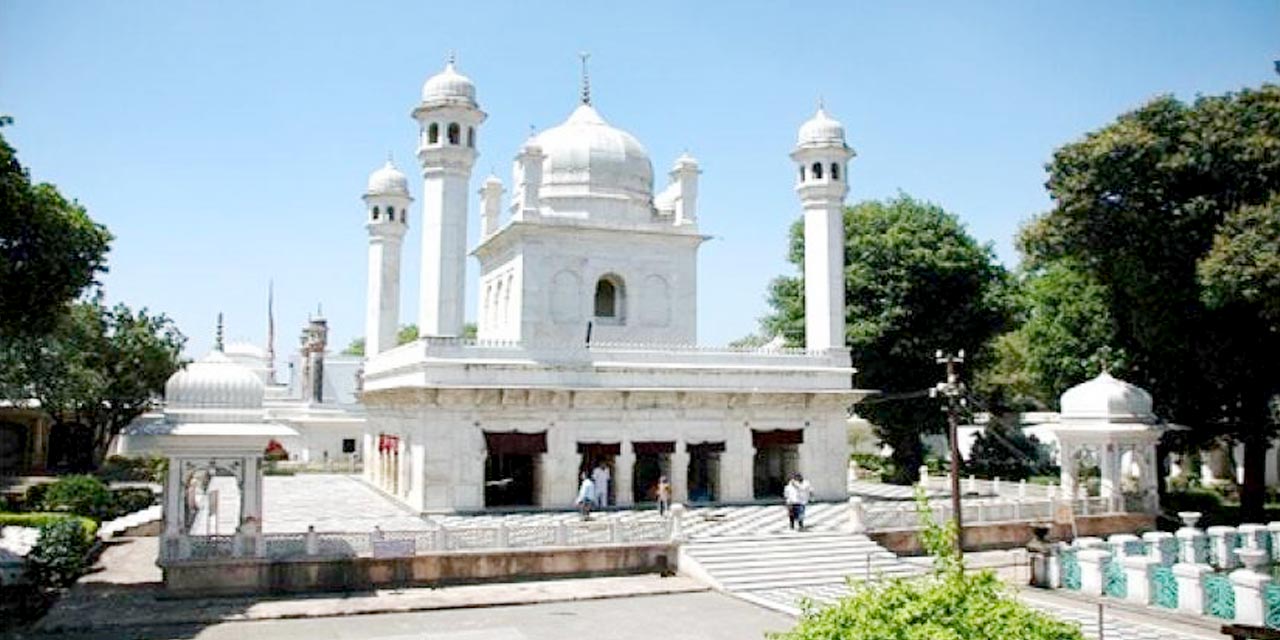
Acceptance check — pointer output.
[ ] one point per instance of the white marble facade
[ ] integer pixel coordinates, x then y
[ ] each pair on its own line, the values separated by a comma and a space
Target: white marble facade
586, 330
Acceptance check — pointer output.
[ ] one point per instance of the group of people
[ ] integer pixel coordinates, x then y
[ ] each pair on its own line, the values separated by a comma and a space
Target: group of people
593, 491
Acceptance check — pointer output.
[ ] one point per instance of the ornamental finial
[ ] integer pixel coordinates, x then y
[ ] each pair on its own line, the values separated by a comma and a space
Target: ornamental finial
453, 58
586, 78
217, 334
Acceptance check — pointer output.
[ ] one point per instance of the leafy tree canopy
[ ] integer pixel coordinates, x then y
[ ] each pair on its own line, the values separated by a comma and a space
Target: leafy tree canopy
1171, 211
915, 282
100, 367
50, 250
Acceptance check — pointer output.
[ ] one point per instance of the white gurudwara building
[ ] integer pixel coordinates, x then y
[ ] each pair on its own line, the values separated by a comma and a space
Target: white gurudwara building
587, 347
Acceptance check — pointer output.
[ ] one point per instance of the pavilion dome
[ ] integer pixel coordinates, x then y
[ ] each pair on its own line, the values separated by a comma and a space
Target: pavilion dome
587, 156
821, 131
1107, 398
449, 86
214, 382
388, 180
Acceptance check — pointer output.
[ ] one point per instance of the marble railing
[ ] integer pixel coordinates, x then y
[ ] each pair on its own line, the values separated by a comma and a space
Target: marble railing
1221, 572
379, 543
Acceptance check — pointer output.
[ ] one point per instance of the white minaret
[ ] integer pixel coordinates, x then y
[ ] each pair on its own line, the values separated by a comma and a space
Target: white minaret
448, 117
822, 157
387, 216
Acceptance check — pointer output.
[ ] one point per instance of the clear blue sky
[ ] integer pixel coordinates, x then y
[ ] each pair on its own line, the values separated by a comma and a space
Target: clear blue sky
226, 143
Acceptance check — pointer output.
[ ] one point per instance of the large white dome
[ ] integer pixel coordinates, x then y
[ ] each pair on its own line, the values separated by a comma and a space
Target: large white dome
587, 156
449, 86
1106, 398
213, 382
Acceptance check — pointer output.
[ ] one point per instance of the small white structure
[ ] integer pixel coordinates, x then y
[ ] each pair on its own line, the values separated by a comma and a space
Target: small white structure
1107, 421
213, 433
587, 329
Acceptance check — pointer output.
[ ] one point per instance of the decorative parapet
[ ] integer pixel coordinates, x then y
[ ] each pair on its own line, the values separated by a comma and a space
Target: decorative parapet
1249, 586
1222, 543
1191, 589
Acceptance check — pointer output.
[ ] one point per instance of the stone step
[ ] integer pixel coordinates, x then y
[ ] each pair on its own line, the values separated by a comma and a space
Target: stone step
797, 562
807, 556
743, 563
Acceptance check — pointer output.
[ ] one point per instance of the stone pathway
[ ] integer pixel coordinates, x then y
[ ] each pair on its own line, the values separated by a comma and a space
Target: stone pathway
333, 503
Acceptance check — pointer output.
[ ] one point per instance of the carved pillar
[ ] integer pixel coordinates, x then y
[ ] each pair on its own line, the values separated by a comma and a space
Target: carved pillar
1067, 463
623, 468
679, 475
1108, 464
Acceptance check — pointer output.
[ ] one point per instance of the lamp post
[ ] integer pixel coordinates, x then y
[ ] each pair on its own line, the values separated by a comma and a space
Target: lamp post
952, 390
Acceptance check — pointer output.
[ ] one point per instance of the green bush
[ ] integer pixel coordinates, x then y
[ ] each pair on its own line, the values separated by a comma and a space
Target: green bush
59, 555
872, 463
39, 519
33, 498
133, 469
948, 604
130, 499
81, 494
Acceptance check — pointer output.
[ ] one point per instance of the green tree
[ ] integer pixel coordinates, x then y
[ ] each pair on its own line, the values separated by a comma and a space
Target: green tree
1150, 207
98, 369
1065, 335
50, 250
915, 282
407, 333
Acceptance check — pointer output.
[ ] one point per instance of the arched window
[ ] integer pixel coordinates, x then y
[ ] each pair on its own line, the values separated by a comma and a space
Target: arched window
471, 137
835, 171
817, 171
455, 134
404, 216
391, 214
801, 173
375, 213
433, 133
610, 299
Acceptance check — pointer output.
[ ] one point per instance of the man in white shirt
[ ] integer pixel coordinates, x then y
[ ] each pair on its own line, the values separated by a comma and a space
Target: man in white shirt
797, 494
600, 477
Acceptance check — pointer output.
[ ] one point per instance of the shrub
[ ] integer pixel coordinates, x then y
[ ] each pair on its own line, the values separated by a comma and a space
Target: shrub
33, 499
133, 469
82, 495
946, 605
38, 520
59, 555
128, 500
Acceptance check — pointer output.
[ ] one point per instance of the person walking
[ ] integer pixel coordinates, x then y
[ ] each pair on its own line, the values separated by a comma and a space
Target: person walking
796, 494
586, 495
600, 477
663, 494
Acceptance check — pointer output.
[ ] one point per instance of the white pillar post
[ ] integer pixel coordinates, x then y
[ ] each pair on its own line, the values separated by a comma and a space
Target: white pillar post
1109, 462
1273, 530
1250, 586
1137, 571
1120, 542
680, 474
857, 516
1223, 541
1190, 578
1093, 566
1162, 546
623, 469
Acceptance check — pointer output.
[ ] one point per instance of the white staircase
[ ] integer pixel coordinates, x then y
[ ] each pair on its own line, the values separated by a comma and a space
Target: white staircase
133, 520
788, 561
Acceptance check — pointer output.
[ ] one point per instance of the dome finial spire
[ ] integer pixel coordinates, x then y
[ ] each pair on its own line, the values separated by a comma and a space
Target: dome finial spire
217, 334
586, 78
821, 105
452, 58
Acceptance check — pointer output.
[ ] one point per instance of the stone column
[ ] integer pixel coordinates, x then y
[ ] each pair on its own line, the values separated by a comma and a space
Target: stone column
1108, 463
1162, 546
1093, 566
1190, 579
1223, 541
1067, 463
367, 458
679, 473
1187, 539
623, 470
251, 490
857, 515
1250, 586
174, 515
1137, 572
